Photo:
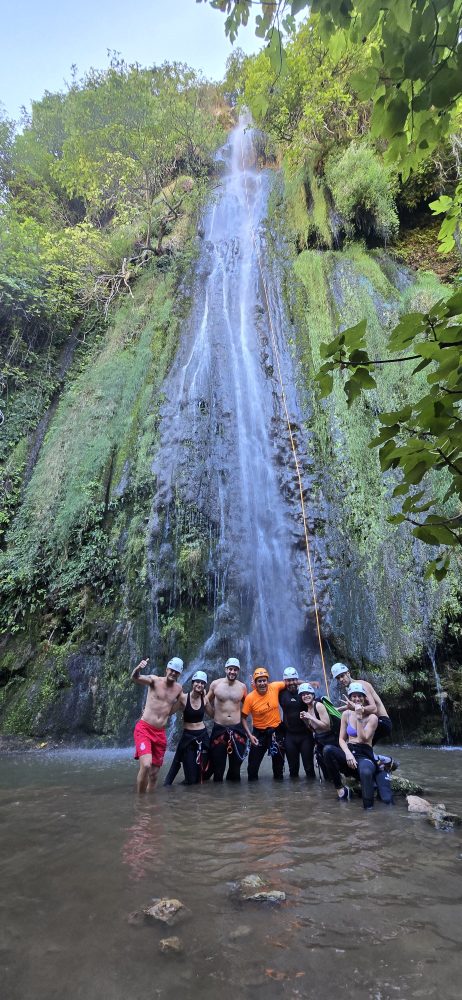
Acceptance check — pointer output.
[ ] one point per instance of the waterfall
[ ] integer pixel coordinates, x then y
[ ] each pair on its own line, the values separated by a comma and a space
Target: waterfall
224, 453
441, 695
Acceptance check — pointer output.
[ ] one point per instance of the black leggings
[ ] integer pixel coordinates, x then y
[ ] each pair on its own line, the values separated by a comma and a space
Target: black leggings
383, 729
336, 764
299, 745
265, 742
227, 744
192, 752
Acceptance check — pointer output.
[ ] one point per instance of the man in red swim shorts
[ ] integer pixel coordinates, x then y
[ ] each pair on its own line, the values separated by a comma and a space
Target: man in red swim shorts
149, 734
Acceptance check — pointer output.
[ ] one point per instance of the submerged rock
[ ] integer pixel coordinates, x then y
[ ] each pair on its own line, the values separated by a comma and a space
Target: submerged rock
249, 883
167, 911
415, 804
441, 819
253, 889
271, 896
171, 946
243, 930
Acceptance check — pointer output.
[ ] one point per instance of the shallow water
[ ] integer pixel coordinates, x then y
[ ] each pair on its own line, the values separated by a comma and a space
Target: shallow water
373, 900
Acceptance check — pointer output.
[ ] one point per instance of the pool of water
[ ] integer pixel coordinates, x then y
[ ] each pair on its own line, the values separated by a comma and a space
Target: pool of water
373, 906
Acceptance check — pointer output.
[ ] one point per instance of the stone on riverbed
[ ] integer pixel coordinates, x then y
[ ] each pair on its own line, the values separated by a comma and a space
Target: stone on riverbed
441, 819
168, 911
171, 946
271, 896
253, 889
415, 804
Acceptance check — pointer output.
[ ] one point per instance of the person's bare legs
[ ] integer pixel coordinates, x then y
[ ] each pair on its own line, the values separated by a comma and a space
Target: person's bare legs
152, 780
143, 779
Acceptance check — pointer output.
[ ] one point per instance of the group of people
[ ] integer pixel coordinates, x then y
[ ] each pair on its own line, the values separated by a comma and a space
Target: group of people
289, 722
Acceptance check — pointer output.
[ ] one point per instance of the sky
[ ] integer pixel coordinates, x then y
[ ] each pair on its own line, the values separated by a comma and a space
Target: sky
42, 39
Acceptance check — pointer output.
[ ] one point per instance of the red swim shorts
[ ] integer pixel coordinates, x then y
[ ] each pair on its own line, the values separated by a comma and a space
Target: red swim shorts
150, 740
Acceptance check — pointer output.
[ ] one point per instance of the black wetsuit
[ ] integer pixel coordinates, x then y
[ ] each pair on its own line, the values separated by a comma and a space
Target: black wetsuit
383, 730
298, 739
271, 741
192, 750
228, 744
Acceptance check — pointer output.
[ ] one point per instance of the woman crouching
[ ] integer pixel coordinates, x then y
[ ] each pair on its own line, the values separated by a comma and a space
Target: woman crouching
354, 755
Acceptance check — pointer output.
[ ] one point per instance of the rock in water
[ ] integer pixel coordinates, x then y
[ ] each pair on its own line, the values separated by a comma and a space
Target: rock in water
271, 896
242, 930
402, 786
171, 946
250, 882
417, 805
168, 911
253, 889
443, 820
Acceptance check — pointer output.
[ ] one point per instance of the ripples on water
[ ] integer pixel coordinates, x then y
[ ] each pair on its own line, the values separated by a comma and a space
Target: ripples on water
373, 901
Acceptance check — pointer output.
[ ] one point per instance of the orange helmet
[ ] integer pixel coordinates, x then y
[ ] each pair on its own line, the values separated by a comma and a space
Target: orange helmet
260, 672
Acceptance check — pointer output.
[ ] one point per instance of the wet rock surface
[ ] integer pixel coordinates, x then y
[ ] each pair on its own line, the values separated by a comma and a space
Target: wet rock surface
254, 889
167, 911
441, 819
415, 804
171, 946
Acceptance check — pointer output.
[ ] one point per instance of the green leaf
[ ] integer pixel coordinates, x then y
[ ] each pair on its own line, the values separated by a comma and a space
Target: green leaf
404, 332
454, 304
417, 61
426, 535
416, 473
354, 335
402, 12
393, 416
395, 115
442, 204
446, 86
365, 83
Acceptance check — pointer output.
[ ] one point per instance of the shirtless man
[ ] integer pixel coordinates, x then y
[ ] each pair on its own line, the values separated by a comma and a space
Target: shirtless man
228, 741
150, 739
374, 705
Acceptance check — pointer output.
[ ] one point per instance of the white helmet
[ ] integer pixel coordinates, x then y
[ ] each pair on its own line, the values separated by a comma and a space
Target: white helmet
290, 674
338, 669
306, 689
199, 675
233, 662
175, 664
356, 688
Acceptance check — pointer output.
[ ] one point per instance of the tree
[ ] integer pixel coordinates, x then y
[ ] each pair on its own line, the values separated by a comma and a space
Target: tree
129, 133
414, 73
413, 81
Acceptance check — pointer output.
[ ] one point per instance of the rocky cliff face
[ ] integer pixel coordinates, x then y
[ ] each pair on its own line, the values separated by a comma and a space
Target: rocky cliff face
163, 513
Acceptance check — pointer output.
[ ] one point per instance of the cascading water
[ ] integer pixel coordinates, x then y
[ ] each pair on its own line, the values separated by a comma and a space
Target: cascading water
224, 451
441, 695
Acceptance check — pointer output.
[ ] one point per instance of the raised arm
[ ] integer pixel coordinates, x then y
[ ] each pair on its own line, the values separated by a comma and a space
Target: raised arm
147, 679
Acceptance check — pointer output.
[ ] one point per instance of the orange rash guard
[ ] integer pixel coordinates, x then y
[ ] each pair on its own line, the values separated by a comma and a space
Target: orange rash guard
264, 708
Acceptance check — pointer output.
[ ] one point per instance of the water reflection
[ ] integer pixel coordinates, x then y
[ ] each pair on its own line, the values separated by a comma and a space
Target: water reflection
373, 902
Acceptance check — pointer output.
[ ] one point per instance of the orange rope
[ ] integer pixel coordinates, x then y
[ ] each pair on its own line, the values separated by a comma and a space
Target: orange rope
292, 441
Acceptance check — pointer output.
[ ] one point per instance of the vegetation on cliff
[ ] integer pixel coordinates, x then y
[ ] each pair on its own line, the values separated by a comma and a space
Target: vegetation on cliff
100, 195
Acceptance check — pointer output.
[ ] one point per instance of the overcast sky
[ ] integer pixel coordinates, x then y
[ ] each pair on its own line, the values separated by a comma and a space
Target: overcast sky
41, 39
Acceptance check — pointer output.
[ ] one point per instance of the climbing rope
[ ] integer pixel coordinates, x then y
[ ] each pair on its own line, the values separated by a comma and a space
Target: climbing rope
291, 436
